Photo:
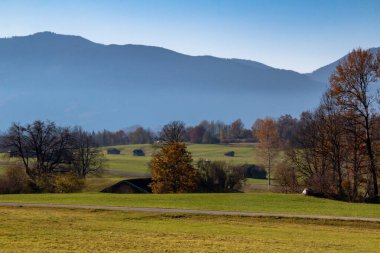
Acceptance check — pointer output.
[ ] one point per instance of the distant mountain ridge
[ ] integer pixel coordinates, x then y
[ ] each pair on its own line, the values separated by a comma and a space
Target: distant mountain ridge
74, 81
323, 74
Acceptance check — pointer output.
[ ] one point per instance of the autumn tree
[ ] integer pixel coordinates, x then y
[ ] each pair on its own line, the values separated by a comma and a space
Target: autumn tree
351, 86
140, 136
266, 131
196, 134
329, 157
172, 170
236, 129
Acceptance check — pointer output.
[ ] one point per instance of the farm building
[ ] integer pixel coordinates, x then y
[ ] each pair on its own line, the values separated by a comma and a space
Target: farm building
230, 153
13, 153
137, 185
138, 152
113, 151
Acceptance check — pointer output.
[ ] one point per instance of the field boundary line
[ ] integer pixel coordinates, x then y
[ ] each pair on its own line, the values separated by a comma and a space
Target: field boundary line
189, 211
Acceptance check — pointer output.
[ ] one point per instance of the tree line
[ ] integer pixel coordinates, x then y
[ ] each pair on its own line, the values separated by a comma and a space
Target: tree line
334, 149
206, 132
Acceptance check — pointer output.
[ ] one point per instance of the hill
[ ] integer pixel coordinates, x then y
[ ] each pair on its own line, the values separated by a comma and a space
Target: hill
74, 81
323, 74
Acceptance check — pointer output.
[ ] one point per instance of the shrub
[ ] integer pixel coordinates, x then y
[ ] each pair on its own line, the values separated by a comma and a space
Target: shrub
68, 183
14, 180
44, 184
286, 177
62, 183
254, 171
218, 176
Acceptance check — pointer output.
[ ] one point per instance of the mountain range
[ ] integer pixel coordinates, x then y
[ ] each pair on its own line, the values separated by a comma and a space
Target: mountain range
74, 81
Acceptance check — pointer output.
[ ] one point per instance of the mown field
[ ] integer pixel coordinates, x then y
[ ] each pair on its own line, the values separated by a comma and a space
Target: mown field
250, 202
126, 165
64, 230
244, 153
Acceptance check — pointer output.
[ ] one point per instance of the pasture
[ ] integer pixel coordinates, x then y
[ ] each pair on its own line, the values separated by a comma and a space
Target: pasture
245, 202
126, 165
47, 229
65, 230
244, 153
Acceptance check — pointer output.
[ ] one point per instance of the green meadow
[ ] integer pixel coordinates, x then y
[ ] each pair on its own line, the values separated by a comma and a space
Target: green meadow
244, 153
246, 202
65, 230
126, 165
32, 229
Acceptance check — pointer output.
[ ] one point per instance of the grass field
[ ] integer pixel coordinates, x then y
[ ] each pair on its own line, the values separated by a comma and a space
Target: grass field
126, 162
244, 153
71, 230
258, 181
253, 202
63, 230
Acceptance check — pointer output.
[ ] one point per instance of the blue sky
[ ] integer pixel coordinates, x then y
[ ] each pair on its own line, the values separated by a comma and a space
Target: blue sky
290, 34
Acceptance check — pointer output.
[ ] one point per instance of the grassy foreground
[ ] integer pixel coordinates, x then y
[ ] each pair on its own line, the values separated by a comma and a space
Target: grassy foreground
62, 230
253, 202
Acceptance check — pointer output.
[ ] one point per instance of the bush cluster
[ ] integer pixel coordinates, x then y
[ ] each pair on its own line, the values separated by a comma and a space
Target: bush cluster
15, 180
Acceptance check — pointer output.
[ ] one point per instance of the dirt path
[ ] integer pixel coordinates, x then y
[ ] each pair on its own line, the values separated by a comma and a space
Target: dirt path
189, 211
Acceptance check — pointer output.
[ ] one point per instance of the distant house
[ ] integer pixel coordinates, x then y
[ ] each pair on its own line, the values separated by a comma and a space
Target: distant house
138, 152
16, 153
113, 151
230, 153
137, 185
13, 153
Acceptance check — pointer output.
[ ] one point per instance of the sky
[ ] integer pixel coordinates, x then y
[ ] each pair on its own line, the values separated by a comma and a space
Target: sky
298, 35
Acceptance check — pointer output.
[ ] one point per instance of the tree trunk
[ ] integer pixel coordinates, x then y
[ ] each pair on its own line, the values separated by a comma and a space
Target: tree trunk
373, 169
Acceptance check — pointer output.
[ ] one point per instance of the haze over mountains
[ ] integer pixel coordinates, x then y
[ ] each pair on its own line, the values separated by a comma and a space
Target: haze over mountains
323, 74
74, 81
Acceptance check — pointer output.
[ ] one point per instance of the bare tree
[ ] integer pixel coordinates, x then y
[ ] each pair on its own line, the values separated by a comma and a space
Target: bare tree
173, 132
87, 157
42, 146
310, 157
331, 156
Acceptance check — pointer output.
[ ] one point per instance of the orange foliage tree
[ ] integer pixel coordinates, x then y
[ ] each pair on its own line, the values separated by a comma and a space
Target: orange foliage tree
351, 87
172, 170
267, 133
